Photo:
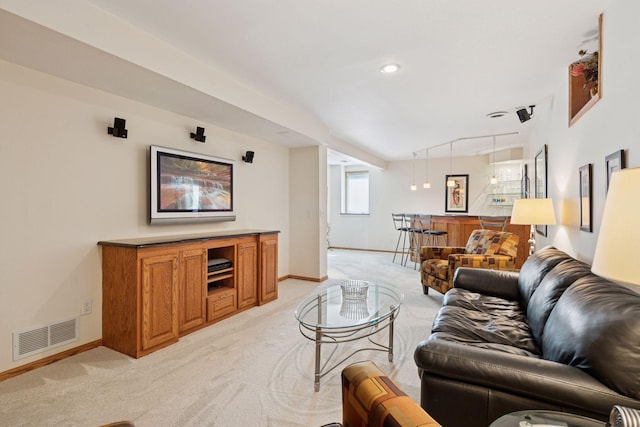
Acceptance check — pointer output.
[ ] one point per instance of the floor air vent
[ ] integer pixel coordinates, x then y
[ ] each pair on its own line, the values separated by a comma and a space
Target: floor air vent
42, 338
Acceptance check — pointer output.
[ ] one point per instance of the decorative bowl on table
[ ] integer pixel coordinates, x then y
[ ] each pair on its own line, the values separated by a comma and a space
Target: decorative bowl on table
354, 290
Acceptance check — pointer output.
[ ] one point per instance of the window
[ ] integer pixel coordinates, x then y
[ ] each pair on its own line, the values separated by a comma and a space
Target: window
355, 194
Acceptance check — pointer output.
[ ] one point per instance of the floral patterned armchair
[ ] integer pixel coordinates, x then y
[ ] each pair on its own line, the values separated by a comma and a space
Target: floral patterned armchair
491, 249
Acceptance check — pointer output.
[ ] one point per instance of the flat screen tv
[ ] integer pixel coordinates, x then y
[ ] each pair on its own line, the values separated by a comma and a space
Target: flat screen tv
190, 187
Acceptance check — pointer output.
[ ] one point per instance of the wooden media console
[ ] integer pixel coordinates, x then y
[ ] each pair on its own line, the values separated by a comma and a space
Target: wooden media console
155, 290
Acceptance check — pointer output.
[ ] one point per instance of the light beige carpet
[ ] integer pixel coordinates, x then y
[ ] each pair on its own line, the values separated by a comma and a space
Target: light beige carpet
253, 369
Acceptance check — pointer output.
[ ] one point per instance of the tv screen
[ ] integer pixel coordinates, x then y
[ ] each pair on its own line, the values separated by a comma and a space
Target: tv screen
190, 187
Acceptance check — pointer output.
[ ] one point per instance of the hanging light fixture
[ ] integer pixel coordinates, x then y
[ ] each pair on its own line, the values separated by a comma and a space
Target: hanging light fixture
451, 182
414, 187
426, 184
494, 178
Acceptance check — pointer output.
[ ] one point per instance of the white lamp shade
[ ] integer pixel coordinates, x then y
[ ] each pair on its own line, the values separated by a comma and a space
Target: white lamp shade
618, 246
533, 211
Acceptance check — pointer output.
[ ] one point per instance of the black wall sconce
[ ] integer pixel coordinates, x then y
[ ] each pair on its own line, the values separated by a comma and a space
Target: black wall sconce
118, 130
525, 115
199, 135
248, 157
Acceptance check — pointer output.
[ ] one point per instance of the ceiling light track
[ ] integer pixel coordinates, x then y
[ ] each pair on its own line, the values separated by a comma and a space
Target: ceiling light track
464, 138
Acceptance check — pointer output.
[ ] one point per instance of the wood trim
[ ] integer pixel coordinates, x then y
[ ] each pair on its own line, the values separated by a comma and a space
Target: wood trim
308, 279
49, 360
361, 249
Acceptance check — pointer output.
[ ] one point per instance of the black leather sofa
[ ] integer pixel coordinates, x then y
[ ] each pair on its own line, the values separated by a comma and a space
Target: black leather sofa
553, 336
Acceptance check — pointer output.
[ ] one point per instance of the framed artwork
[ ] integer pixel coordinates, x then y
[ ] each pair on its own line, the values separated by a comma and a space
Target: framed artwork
457, 196
614, 162
585, 76
540, 181
586, 204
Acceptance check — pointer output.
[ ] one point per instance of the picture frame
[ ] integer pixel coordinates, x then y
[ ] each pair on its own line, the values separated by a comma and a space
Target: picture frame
614, 162
586, 199
585, 76
540, 181
457, 197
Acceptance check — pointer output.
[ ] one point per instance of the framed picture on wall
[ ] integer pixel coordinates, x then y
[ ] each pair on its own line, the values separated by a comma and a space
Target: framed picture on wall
540, 182
457, 195
585, 76
614, 162
586, 204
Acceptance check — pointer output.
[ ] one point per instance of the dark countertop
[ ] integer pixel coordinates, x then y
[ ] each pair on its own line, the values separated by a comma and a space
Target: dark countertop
143, 242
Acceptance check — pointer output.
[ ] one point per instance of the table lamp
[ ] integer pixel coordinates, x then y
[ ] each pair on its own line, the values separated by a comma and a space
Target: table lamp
618, 245
533, 212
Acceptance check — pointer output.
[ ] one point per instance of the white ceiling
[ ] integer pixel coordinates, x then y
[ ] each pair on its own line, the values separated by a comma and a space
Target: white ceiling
460, 60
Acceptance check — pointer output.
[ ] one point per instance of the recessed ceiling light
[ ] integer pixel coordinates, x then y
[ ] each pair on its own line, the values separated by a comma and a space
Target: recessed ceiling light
389, 68
497, 114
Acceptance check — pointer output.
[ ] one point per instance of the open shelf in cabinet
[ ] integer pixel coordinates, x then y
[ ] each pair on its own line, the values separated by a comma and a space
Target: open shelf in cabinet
223, 279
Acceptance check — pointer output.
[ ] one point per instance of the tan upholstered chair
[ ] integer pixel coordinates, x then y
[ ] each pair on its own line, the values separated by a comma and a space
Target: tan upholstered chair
371, 399
491, 249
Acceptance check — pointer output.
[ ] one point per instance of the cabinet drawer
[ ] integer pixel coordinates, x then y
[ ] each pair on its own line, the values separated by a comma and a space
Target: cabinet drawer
221, 303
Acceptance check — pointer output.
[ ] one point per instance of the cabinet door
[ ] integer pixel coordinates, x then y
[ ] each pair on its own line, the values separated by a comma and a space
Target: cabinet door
159, 300
268, 267
192, 292
247, 273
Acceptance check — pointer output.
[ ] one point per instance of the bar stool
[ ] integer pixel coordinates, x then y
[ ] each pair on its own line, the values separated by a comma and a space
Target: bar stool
497, 223
421, 229
402, 227
412, 222
434, 235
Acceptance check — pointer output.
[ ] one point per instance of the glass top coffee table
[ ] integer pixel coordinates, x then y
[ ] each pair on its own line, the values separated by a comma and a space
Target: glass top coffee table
346, 312
543, 418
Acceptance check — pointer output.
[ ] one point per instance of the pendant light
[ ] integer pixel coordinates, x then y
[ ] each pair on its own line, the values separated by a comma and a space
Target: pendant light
451, 182
426, 184
414, 187
494, 178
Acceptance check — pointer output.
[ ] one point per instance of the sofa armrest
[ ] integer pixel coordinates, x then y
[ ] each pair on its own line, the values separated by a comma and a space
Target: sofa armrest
371, 398
528, 377
496, 283
438, 252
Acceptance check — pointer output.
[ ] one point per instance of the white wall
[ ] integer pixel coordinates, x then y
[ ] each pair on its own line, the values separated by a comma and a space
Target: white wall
390, 193
612, 124
66, 184
308, 201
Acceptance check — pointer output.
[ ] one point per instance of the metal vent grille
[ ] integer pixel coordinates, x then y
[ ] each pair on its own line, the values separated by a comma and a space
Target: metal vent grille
41, 338
62, 332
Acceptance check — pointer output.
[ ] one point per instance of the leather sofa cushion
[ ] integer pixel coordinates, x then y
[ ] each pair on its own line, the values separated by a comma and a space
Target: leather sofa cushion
595, 326
549, 291
484, 321
535, 269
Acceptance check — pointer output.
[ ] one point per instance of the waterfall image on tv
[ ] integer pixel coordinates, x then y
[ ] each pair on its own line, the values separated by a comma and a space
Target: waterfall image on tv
188, 186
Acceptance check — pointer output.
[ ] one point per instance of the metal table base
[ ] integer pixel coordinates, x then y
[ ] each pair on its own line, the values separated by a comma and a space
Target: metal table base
320, 330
